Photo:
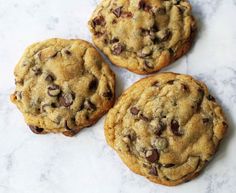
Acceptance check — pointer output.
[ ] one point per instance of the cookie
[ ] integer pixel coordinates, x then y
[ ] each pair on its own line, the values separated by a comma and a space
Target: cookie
62, 86
166, 127
143, 35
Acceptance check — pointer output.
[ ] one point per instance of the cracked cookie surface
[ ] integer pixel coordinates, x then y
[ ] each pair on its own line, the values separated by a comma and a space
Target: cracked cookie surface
143, 35
62, 86
166, 127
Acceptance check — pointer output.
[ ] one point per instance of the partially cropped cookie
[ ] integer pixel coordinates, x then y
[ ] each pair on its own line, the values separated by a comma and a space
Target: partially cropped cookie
166, 127
62, 86
143, 35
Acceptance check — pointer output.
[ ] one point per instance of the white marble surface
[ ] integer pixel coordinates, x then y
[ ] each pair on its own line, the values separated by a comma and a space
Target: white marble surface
57, 164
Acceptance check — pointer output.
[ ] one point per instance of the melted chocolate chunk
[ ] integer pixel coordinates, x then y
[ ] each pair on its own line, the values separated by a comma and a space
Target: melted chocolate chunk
185, 88
89, 105
168, 165
134, 111
49, 78
114, 40
205, 120
152, 155
161, 11
117, 49
171, 51
108, 94
144, 118
117, 12
66, 126
175, 128
99, 21
160, 129
54, 55
144, 6
36, 129
225, 125
37, 71
153, 171
171, 82
54, 90
211, 98
148, 64
156, 84
66, 99
126, 15
98, 34
67, 52
93, 84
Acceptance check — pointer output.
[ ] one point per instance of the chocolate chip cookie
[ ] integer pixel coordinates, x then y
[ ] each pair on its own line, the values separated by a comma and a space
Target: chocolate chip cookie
166, 127
143, 35
62, 86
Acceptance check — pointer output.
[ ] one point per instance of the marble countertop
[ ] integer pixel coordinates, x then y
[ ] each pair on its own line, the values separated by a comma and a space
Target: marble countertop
85, 163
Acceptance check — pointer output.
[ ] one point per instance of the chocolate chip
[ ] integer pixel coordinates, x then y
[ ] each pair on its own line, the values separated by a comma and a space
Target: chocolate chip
144, 118
145, 32
153, 171
54, 55
67, 52
49, 78
175, 2
89, 105
164, 35
148, 64
114, 40
134, 110
70, 133
43, 108
54, 105
161, 11
108, 94
152, 155
201, 92
114, 21
66, 99
185, 88
171, 51
225, 125
144, 6
156, 84
168, 165
81, 106
117, 49
154, 28
171, 82
126, 15
93, 84
117, 12
98, 34
211, 98
36, 129
37, 71
99, 21
205, 120
161, 127
199, 102
54, 90
66, 126
129, 137
175, 128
